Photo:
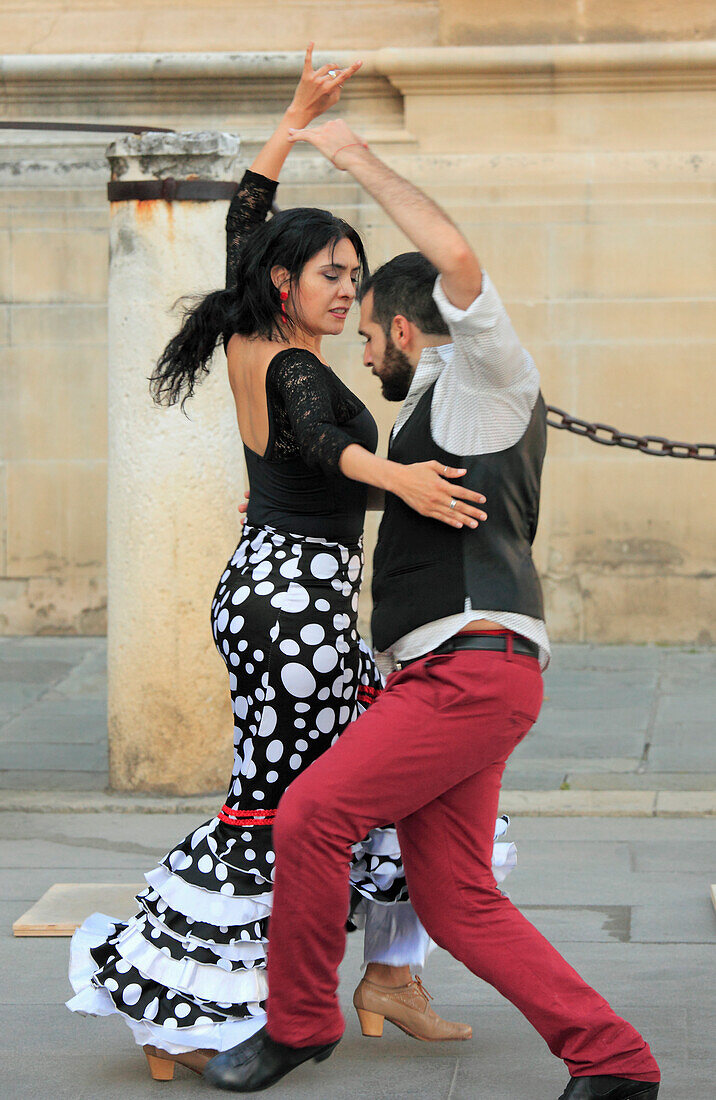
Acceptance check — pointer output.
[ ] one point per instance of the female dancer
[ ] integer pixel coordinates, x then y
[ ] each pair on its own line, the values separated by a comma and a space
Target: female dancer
188, 972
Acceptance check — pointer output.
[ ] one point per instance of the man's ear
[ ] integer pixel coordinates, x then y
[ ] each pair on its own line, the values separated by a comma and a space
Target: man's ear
280, 277
400, 332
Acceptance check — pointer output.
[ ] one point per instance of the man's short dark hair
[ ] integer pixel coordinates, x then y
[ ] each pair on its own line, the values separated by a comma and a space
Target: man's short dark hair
404, 285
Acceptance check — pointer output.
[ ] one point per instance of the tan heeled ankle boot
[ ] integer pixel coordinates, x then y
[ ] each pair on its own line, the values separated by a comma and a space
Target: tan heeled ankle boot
406, 1006
161, 1062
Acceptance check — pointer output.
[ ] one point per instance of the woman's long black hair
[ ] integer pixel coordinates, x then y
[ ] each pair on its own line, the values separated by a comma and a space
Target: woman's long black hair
251, 307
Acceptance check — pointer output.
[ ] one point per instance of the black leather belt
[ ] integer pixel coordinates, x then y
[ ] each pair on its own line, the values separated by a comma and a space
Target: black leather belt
497, 642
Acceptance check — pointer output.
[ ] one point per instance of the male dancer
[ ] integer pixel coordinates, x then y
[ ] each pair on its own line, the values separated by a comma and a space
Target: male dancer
429, 754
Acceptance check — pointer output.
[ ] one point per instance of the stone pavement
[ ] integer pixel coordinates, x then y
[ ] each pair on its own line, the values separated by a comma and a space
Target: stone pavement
625, 898
632, 719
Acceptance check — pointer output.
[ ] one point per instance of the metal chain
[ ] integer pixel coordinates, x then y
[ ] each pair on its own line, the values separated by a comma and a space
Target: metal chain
612, 437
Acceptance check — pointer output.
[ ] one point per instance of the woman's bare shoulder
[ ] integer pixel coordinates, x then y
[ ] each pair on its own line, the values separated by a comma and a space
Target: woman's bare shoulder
252, 353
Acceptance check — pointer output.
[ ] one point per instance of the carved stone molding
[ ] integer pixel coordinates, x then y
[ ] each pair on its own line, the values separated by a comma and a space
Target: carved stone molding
644, 67
234, 83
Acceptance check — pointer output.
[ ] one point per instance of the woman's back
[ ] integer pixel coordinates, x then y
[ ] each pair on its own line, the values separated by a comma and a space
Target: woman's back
296, 417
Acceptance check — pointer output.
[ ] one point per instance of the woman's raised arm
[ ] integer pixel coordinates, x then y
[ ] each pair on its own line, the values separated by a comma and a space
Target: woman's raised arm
317, 91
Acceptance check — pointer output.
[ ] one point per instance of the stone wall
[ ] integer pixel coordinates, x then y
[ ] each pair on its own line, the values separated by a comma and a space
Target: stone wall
109, 26
582, 174
53, 390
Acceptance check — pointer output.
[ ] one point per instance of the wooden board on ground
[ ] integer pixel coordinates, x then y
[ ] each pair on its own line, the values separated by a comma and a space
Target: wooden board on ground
63, 907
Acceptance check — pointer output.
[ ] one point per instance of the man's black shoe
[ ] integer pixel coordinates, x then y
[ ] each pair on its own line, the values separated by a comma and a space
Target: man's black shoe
259, 1063
608, 1088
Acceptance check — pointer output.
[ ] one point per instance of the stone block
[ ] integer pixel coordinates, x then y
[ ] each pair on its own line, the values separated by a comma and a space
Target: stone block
70, 422
665, 609
49, 217
632, 528
72, 603
631, 321
5, 267
486, 23
599, 261
516, 255
651, 388
531, 320
56, 324
56, 517
190, 26
59, 265
587, 122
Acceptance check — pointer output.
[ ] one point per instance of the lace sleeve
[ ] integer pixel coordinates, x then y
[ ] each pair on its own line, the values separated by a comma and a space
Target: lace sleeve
300, 383
249, 208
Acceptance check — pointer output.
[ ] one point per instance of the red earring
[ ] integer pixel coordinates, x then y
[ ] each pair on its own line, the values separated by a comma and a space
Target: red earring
284, 298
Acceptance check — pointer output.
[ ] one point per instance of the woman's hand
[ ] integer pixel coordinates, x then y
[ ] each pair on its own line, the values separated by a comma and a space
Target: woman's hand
319, 89
243, 509
423, 486
316, 92
330, 139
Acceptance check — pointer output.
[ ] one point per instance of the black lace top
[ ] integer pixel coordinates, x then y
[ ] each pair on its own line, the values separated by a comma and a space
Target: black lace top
296, 485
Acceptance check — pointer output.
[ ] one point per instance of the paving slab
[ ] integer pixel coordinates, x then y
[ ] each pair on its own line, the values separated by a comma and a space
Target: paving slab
640, 714
56, 721
40, 671
682, 746
582, 657
67, 756
648, 780
49, 781
688, 919
701, 803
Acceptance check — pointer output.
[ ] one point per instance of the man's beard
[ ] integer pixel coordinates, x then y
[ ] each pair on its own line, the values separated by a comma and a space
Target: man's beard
396, 373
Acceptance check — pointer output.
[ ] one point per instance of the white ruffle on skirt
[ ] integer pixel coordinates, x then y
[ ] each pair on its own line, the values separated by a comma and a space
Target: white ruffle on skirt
188, 971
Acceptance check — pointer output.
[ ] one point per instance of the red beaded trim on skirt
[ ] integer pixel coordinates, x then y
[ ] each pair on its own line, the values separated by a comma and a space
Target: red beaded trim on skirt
245, 817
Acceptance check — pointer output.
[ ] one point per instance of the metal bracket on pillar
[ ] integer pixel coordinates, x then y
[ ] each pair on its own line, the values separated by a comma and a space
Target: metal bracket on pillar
170, 190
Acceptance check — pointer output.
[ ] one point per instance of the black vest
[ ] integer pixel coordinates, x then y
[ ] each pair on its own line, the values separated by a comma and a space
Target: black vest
423, 570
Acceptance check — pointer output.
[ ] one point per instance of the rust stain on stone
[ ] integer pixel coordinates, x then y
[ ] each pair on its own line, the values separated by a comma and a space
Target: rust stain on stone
145, 211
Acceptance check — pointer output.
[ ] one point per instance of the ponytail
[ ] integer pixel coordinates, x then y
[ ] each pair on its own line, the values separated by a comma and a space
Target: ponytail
185, 360
251, 306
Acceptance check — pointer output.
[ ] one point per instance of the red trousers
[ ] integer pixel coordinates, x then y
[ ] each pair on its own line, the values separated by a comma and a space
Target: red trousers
429, 755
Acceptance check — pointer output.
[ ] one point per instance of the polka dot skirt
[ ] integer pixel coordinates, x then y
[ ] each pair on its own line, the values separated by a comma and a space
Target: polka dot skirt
188, 971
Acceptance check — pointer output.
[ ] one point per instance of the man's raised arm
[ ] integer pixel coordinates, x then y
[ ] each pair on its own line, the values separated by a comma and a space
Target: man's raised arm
423, 222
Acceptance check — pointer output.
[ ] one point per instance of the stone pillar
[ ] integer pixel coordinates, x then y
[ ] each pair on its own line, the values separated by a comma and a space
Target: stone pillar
174, 483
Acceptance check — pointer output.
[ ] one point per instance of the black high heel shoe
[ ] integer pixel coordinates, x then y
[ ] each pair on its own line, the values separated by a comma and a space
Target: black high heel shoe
609, 1088
260, 1062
